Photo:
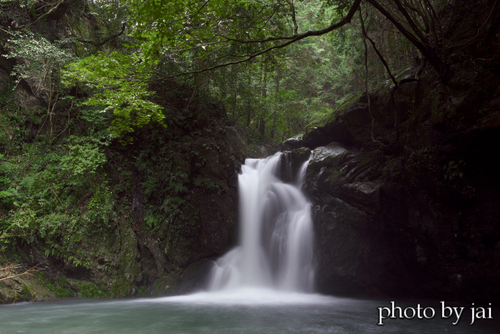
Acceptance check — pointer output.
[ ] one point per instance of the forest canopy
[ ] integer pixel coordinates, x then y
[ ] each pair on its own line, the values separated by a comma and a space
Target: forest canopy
192, 38
275, 64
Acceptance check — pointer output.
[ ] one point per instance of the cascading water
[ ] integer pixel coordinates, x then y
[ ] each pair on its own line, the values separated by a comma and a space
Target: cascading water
262, 280
276, 237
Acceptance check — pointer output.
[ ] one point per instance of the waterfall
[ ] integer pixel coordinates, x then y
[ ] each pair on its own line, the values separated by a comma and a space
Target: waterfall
276, 236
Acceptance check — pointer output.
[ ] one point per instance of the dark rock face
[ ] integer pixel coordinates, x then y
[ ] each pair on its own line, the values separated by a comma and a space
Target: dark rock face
209, 163
414, 215
194, 277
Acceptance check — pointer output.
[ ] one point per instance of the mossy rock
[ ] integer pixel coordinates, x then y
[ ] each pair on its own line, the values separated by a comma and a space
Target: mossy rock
329, 118
25, 288
166, 285
293, 143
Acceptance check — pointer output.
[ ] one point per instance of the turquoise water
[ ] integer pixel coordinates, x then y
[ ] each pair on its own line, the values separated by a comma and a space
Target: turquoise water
244, 312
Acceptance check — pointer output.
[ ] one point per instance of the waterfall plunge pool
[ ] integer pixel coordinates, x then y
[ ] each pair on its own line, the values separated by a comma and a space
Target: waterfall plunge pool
239, 311
262, 286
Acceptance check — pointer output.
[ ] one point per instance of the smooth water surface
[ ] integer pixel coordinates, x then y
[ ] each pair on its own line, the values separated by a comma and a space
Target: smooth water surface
246, 311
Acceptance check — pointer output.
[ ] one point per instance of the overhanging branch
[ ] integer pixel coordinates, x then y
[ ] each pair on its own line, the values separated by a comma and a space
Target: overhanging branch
297, 37
101, 43
291, 39
421, 45
35, 21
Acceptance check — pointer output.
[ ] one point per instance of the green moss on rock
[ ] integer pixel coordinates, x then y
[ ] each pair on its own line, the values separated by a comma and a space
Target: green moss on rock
328, 118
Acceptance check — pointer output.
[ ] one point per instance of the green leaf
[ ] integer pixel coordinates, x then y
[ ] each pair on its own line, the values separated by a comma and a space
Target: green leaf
121, 84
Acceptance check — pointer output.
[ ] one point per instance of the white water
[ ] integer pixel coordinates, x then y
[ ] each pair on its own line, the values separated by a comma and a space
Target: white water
275, 252
263, 295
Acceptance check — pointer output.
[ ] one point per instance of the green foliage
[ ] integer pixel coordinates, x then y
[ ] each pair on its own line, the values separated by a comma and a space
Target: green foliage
85, 155
42, 61
121, 85
17, 10
12, 116
275, 96
143, 291
20, 3
61, 192
91, 290
166, 188
67, 288
46, 206
179, 28
100, 207
39, 64
59, 289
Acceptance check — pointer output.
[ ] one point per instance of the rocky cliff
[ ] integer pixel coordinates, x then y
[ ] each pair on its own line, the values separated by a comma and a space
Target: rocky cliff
405, 189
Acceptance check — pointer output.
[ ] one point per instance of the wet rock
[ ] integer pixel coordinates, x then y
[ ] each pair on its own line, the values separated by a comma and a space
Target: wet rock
324, 174
293, 143
194, 277
260, 151
298, 158
300, 155
327, 155
365, 194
